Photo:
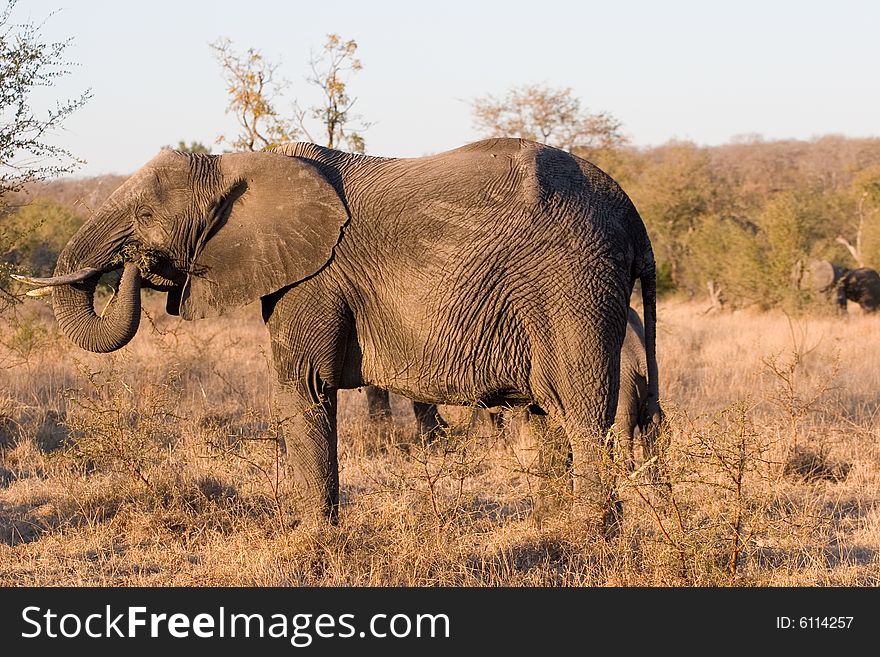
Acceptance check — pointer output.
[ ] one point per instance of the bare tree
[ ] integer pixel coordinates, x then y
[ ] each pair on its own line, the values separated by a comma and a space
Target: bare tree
253, 91
27, 63
330, 72
552, 116
866, 186
855, 250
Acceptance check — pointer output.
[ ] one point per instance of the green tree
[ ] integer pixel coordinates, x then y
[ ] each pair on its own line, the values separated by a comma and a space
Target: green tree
727, 254
195, 147
673, 189
38, 232
790, 224
752, 261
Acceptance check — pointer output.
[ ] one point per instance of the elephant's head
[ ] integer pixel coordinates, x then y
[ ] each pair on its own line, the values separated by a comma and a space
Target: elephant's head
213, 231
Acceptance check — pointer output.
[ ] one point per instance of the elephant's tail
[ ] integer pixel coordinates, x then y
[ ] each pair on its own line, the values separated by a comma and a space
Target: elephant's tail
648, 281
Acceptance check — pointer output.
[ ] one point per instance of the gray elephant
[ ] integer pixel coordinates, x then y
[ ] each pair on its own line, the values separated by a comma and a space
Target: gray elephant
428, 418
635, 414
498, 273
860, 285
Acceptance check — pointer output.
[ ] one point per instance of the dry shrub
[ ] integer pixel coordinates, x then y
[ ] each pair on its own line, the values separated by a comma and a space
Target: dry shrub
160, 465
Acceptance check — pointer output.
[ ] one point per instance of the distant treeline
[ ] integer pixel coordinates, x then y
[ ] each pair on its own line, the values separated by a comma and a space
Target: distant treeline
743, 214
739, 215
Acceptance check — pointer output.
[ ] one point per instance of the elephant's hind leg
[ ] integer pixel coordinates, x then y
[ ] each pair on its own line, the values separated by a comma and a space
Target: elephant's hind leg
579, 394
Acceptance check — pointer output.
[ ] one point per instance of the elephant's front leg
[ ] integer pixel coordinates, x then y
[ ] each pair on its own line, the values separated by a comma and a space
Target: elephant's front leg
308, 328
307, 421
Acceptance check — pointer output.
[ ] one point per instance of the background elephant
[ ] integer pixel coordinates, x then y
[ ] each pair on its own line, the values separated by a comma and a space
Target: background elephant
498, 273
860, 285
428, 420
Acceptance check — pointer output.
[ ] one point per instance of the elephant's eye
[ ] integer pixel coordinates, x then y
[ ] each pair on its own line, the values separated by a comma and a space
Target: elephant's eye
144, 214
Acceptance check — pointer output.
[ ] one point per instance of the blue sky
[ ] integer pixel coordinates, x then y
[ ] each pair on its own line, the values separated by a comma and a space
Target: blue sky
704, 71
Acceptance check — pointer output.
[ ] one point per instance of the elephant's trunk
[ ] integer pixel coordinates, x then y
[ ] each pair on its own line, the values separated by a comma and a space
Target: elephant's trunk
75, 312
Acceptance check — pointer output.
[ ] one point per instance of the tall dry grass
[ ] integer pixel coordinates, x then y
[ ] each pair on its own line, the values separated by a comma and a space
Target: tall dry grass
158, 465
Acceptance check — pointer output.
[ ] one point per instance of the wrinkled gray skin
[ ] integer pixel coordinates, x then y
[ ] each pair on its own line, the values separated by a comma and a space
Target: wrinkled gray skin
428, 419
496, 273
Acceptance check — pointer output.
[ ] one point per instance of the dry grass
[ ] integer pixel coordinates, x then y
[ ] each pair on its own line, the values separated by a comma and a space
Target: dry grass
158, 466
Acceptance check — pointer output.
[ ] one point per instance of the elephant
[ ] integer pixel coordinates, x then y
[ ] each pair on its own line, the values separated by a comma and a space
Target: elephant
634, 412
428, 418
860, 285
497, 273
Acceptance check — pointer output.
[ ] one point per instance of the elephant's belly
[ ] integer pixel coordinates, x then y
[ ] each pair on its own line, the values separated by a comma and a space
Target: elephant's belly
465, 380
441, 349
460, 396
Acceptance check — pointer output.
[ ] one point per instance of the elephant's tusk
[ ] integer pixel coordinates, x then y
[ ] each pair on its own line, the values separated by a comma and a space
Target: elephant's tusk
40, 292
52, 281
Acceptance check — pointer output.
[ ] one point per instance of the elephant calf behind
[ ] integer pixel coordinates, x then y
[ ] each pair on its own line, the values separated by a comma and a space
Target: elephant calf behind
633, 417
633, 414
835, 282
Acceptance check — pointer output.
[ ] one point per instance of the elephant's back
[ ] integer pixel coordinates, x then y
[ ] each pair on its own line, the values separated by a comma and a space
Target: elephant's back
493, 181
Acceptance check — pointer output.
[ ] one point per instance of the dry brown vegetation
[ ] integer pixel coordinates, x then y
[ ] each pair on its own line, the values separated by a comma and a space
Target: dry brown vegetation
158, 465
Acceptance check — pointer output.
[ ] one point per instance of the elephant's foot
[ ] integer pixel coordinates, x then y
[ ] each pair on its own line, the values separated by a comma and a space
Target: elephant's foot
308, 429
314, 495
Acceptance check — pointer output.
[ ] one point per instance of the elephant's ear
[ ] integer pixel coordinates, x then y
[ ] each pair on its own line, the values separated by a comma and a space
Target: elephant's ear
275, 224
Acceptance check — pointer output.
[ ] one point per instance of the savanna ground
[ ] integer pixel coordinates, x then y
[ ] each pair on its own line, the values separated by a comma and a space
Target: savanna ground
157, 466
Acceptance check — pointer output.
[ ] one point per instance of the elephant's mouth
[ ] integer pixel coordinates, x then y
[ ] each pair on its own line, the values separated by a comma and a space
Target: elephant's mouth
158, 272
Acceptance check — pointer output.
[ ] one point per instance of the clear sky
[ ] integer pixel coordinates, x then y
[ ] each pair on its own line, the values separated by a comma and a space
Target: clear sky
669, 69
